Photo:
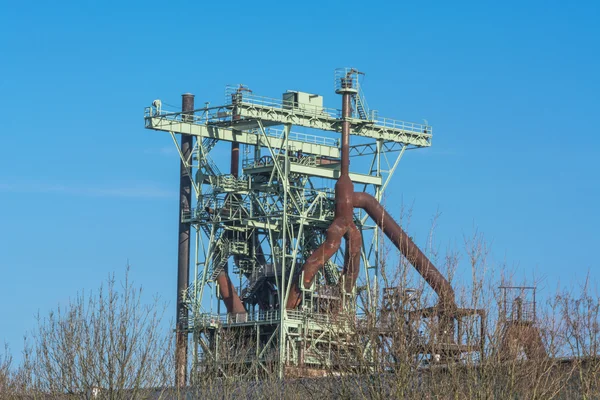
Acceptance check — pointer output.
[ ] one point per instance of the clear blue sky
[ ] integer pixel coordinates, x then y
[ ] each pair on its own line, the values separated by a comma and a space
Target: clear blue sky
511, 88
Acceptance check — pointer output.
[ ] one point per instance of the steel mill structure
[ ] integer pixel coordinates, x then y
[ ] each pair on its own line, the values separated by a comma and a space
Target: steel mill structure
271, 289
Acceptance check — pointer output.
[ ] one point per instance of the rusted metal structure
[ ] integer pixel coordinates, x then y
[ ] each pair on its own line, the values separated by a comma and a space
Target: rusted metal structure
521, 337
268, 237
343, 224
183, 249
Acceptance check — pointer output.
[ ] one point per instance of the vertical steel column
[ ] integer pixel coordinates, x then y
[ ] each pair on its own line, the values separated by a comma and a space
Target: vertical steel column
183, 251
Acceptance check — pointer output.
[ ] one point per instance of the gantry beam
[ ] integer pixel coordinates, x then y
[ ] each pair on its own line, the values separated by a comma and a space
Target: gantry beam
409, 133
172, 123
332, 171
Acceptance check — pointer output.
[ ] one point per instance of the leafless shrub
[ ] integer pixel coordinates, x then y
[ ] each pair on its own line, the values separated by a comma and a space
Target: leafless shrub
6, 372
112, 341
103, 345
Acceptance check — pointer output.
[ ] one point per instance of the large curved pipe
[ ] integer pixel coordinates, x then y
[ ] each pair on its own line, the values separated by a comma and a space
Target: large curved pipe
342, 225
407, 247
317, 259
232, 301
351, 258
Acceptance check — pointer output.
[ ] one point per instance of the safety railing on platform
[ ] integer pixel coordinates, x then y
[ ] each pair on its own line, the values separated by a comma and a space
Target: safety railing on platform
302, 137
308, 109
213, 115
412, 127
229, 183
214, 320
206, 320
199, 116
309, 161
324, 318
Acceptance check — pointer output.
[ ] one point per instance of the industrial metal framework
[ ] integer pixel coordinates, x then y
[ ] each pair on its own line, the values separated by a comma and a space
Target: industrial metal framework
271, 293
521, 337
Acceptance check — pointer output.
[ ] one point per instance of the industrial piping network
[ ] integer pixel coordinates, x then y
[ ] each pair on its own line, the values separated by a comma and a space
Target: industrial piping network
231, 298
238, 121
346, 199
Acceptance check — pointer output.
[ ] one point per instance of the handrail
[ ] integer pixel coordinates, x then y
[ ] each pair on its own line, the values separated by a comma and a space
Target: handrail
303, 137
271, 316
311, 109
412, 127
235, 318
224, 113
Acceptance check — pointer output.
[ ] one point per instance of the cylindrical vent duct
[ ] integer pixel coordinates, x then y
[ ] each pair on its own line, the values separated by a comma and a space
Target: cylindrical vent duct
187, 106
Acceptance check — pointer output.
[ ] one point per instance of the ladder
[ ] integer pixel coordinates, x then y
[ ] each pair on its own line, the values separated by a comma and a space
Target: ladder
253, 285
220, 258
360, 105
331, 272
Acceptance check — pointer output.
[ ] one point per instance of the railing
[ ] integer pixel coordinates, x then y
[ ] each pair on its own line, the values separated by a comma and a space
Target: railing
304, 108
324, 318
345, 78
271, 317
215, 320
307, 138
196, 212
361, 102
412, 127
308, 160
208, 116
199, 116
302, 137
229, 182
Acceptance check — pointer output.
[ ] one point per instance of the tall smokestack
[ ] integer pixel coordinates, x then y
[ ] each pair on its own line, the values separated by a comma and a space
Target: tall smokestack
183, 254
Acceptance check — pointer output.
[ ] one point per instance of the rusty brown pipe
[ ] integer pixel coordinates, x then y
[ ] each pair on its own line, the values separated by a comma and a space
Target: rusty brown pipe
317, 259
407, 247
351, 258
232, 301
342, 225
183, 248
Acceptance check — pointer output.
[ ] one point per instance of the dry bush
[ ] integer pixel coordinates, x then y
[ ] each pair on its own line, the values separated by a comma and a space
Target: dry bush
7, 379
109, 340
112, 341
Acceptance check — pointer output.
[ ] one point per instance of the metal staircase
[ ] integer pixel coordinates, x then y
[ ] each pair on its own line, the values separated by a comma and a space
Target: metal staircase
253, 284
360, 105
221, 257
209, 143
331, 272
258, 277
207, 166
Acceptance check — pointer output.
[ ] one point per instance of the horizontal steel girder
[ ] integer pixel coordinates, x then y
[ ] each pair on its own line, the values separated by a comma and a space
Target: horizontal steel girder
331, 172
163, 123
323, 121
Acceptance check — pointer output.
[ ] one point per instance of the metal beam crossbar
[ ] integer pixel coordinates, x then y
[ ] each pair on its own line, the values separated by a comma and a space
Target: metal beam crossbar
173, 123
253, 107
258, 222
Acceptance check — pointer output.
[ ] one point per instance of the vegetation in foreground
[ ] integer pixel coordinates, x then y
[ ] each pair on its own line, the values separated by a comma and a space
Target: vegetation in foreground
109, 344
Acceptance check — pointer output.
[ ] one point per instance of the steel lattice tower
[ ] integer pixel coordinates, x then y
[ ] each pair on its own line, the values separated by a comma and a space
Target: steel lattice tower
253, 228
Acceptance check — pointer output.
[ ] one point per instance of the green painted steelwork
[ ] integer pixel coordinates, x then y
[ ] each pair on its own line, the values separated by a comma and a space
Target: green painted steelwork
261, 226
